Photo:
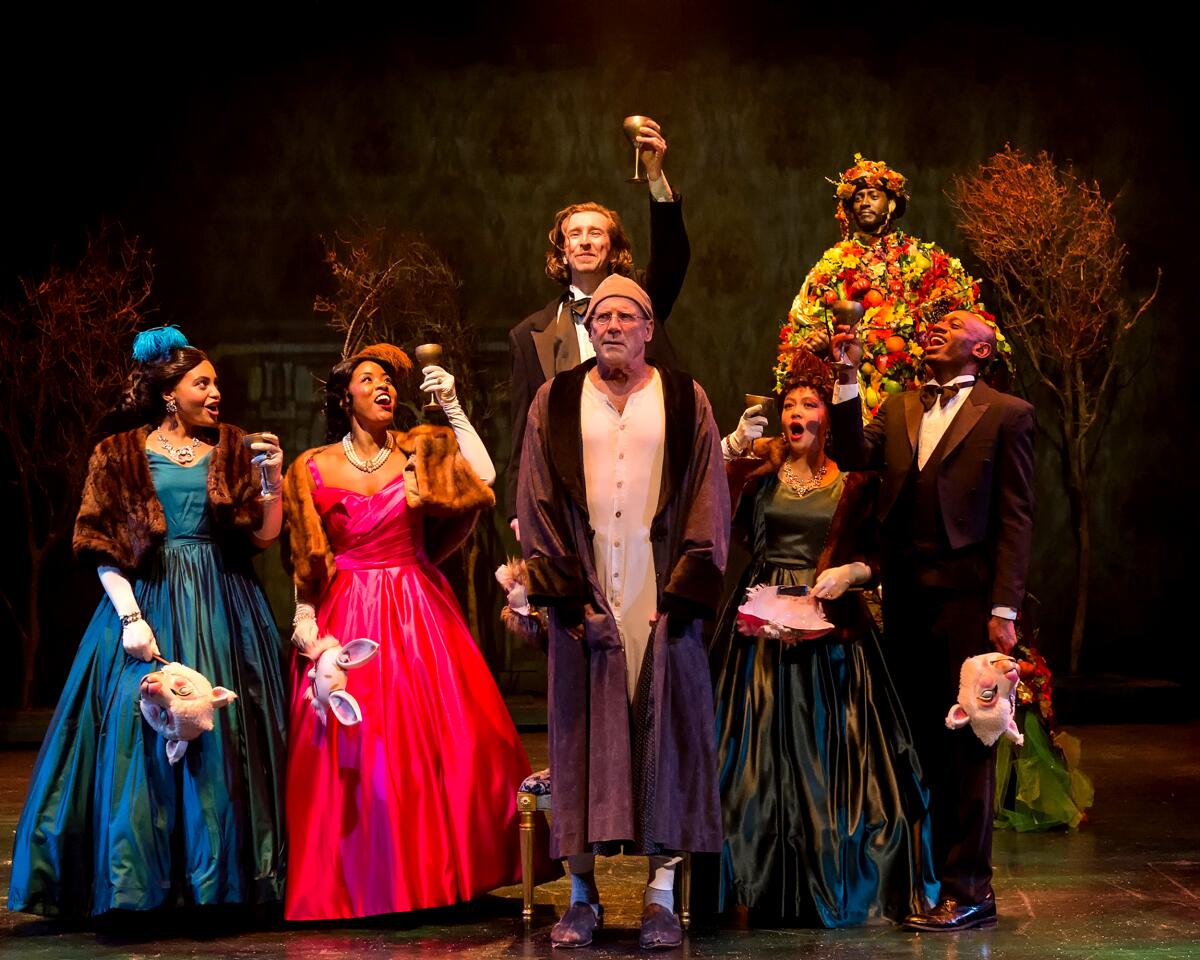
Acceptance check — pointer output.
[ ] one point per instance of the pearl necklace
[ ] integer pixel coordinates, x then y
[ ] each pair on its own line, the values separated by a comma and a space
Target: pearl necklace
367, 466
185, 453
802, 487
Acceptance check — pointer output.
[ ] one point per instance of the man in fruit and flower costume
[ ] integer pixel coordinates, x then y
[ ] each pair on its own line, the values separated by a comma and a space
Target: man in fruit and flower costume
902, 283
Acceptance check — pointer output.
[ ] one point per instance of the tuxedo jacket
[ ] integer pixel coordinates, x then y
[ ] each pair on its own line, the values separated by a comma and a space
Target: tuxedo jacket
535, 344
984, 465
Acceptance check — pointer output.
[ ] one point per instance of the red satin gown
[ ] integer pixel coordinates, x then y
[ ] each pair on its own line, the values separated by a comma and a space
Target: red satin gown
416, 806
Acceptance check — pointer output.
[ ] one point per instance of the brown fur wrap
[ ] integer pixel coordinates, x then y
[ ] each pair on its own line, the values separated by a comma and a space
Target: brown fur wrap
121, 518
437, 478
852, 532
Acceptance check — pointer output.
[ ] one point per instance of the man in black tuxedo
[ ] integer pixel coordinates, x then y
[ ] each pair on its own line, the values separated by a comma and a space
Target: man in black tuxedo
956, 516
587, 243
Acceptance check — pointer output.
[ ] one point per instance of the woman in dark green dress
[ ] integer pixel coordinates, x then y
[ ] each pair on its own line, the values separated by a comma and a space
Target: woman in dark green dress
171, 514
824, 813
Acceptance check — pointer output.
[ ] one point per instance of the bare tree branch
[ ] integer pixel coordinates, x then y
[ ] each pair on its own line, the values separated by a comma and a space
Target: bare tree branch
1048, 241
64, 353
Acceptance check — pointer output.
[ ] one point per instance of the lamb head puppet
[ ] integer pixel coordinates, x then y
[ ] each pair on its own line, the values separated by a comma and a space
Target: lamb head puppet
179, 703
327, 691
987, 698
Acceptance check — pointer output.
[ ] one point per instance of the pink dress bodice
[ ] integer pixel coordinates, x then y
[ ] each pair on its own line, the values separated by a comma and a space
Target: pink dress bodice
368, 531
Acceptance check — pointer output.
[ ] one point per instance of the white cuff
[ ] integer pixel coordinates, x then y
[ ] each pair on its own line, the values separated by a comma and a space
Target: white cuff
1006, 613
845, 391
660, 190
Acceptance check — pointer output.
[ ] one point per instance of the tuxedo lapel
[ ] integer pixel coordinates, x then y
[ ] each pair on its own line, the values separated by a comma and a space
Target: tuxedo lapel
544, 339
913, 411
976, 404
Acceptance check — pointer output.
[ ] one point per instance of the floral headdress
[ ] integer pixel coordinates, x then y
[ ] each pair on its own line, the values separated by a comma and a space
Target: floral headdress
868, 173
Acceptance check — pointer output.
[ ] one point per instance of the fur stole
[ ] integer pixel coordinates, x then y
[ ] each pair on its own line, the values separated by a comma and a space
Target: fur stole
121, 518
852, 532
437, 478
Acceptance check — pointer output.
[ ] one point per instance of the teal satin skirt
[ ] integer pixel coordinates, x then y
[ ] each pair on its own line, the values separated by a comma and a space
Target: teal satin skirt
825, 816
109, 823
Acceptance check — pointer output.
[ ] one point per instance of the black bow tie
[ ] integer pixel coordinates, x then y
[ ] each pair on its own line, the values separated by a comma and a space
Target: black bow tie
931, 393
579, 307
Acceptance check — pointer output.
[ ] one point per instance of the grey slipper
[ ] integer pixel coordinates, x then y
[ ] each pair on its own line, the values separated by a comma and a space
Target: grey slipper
660, 929
577, 925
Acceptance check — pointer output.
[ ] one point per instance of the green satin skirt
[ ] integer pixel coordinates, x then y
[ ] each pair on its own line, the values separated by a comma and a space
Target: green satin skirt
109, 823
825, 818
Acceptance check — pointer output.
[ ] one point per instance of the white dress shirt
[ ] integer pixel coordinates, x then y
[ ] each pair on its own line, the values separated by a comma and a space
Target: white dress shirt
622, 469
936, 419
586, 350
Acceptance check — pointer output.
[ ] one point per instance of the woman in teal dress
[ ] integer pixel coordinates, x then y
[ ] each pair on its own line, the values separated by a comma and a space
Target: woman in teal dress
824, 813
171, 515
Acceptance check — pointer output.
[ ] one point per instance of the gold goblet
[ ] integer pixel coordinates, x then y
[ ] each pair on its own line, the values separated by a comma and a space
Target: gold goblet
846, 313
768, 408
248, 441
429, 354
632, 126
767, 403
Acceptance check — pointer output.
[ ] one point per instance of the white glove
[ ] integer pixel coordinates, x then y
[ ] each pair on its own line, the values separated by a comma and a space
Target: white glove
438, 382
835, 581
304, 628
269, 459
137, 637
749, 429
139, 642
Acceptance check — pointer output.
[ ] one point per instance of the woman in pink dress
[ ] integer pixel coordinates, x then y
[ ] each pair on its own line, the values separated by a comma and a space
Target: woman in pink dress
414, 805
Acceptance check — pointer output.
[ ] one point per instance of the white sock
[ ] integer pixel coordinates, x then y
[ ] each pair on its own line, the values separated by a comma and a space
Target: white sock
660, 888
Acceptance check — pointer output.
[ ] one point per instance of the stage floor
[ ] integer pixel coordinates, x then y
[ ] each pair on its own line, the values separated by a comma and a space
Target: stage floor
1126, 885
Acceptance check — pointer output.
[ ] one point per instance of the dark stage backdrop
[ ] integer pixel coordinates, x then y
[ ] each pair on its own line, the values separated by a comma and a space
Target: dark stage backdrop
232, 147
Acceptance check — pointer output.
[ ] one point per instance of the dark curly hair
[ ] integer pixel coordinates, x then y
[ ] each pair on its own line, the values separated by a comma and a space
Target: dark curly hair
337, 392
620, 254
142, 397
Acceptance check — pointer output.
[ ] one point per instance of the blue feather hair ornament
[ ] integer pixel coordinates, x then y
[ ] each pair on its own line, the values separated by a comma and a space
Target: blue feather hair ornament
155, 345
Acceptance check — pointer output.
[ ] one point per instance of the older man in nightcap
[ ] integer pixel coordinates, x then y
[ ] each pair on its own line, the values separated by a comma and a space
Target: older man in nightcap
624, 518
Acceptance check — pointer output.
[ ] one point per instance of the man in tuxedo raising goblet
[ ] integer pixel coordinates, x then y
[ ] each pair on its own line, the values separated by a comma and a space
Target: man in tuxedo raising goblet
587, 244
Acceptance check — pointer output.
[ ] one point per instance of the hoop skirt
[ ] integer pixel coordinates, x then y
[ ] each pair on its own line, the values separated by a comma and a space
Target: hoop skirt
415, 806
109, 823
824, 813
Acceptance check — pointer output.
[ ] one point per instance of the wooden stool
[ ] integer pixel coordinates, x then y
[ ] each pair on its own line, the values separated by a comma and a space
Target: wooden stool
534, 796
